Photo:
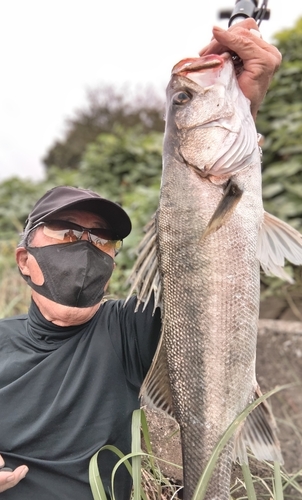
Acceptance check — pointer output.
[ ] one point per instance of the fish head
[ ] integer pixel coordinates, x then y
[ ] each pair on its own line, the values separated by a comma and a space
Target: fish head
206, 113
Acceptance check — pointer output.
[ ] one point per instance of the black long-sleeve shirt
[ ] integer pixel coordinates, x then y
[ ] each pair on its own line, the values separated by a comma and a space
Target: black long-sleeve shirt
67, 391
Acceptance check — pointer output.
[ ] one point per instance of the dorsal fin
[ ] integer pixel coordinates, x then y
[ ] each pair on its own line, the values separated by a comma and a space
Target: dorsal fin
145, 277
259, 434
156, 389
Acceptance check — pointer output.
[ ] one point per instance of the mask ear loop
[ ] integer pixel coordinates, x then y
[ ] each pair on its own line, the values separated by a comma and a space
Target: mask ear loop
117, 250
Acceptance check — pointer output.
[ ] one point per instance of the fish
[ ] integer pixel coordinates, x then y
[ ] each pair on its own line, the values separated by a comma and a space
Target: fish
201, 259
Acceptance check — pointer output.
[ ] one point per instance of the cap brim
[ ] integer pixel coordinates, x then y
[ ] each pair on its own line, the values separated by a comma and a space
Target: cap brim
111, 212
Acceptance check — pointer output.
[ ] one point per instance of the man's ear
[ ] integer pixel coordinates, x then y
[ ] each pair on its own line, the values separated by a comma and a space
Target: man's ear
21, 255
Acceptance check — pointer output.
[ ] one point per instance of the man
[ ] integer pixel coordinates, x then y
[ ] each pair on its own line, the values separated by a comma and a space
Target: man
70, 370
74, 368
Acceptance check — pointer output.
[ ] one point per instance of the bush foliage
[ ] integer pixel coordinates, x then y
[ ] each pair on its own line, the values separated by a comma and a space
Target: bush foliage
115, 149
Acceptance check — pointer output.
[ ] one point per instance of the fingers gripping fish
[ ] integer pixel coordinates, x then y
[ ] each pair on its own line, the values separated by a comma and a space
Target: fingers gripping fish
201, 258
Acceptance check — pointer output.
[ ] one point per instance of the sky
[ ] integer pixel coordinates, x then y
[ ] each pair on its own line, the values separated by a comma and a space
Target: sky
53, 51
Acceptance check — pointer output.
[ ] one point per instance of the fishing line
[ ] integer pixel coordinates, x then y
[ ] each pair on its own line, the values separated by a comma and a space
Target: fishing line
261, 12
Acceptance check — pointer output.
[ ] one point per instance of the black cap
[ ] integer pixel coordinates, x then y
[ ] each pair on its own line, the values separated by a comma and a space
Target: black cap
63, 197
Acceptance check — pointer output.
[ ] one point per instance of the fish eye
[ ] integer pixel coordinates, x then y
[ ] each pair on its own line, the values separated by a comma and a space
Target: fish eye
181, 97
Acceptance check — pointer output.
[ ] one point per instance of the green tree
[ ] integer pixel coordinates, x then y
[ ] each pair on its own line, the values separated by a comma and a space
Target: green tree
122, 160
280, 122
126, 167
117, 161
107, 107
16, 199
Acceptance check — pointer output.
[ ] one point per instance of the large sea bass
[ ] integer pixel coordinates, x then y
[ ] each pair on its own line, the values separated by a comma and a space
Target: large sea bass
201, 257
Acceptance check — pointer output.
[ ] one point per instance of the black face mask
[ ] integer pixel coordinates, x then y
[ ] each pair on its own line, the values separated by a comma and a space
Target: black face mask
75, 274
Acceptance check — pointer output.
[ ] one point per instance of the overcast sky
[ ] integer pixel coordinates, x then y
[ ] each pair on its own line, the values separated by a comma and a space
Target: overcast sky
53, 51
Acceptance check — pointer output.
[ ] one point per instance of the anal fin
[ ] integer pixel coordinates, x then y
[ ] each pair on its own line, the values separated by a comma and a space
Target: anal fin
258, 434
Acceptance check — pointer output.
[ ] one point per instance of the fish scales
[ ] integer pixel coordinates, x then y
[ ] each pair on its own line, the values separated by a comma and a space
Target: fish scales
210, 338
211, 235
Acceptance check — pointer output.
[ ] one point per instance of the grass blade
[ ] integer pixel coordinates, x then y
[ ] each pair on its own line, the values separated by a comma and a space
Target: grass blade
278, 482
95, 480
136, 450
249, 485
96, 485
147, 441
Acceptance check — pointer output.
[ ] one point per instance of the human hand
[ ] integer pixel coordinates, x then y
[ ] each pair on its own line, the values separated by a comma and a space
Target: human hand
260, 59
8, 479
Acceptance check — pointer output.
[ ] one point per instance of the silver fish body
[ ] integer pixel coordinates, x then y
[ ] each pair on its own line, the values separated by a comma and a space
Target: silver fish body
211, 235
210, 284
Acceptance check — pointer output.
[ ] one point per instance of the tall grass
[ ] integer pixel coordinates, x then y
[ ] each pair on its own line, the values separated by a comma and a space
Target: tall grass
14, 294
150, 484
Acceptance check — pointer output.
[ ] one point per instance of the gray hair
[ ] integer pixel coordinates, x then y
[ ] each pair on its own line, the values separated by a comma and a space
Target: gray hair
27, 236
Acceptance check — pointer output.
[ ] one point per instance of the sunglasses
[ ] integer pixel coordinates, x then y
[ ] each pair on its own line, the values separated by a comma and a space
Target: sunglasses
67, 232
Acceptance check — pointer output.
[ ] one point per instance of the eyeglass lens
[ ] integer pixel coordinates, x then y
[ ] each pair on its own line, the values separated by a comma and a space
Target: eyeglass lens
67, 232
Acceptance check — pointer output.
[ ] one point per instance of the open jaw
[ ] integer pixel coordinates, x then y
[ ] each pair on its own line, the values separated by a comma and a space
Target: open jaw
203, 70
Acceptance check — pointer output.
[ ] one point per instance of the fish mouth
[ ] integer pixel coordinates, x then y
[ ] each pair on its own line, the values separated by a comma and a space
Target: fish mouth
203, 70
197, 64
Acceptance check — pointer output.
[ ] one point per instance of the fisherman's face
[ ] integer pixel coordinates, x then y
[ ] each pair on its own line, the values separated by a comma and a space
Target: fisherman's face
40, 239
29, 266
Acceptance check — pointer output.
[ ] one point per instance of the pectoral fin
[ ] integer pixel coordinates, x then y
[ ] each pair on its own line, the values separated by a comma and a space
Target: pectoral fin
278, 241
259, 434
225, 208
145, 277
